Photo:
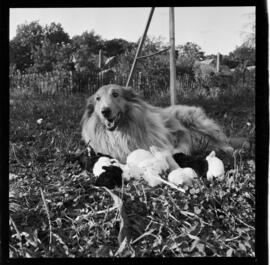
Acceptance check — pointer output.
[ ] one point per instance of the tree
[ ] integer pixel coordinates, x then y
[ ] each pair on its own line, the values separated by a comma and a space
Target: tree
19, 55
64, 57
152, 45
187, 55
249, 33
116, 47
28, 37
243, 55
190, 50
35, 44
52, 56
44, 57
85, 60
87, 47
56, 34
89, 40
230, 61
29, 34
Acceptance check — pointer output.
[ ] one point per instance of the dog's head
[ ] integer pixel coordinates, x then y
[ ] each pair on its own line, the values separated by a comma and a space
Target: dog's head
110, 103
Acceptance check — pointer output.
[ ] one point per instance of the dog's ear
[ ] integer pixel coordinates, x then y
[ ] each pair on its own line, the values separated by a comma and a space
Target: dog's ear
90, 104
130, 94
89, 109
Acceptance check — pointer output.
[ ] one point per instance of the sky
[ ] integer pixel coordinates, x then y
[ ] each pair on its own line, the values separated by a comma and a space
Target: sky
214, 29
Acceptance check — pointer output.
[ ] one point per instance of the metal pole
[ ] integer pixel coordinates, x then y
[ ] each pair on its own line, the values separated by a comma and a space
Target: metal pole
172, 58
140, 46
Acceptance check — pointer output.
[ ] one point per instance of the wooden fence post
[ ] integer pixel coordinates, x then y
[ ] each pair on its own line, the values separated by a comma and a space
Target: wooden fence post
172, 57
218, 62
100, 59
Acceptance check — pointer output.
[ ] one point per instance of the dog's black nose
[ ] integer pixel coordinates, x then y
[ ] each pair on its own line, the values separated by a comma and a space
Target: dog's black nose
106, 112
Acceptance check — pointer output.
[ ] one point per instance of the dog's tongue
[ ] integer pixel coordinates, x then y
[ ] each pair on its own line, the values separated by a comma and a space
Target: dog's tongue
111, 124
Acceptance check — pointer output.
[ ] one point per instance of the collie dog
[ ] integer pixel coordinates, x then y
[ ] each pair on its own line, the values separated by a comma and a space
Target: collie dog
117, 121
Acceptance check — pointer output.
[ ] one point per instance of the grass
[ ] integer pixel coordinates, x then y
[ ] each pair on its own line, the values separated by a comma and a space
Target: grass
56, 211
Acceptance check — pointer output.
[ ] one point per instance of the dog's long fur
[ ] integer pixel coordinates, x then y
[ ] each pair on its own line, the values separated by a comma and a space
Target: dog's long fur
177, 128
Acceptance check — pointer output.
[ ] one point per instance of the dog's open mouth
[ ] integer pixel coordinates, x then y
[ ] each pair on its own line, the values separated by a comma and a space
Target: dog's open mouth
112, 123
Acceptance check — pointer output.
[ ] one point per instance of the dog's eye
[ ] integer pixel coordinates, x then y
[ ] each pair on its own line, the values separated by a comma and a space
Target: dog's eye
98, 98
115, 94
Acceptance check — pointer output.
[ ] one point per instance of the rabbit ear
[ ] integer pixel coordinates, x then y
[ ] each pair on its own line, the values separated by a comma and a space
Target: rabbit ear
212, 154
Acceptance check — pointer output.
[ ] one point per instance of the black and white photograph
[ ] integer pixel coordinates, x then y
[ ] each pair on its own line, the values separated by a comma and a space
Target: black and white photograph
132, 132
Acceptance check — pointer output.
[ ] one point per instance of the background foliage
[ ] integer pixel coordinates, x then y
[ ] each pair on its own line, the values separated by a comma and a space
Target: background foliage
41, 49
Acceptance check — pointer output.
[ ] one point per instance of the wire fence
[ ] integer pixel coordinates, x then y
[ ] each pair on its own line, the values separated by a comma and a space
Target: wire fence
68, 82
53, 82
